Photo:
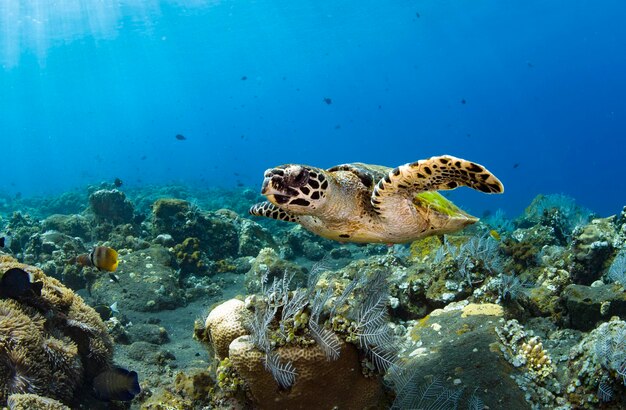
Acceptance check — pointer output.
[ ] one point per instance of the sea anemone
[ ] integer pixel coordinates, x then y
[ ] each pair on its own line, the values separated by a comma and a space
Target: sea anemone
24, 374
16, 326
64, 361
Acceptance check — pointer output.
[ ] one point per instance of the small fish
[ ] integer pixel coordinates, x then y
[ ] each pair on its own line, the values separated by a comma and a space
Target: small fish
328, 100
117, 182
102, 258
494, 234
114, 277
116, 384
417, 14
16, 282
244, 77
516, 165
180, 137
104, 311
463, 101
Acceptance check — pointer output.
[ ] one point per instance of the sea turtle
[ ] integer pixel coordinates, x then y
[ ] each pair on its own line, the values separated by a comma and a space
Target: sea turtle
372, 203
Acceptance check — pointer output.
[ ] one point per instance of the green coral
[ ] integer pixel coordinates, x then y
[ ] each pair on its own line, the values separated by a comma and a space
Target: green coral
227, 379
189, 256
422, 248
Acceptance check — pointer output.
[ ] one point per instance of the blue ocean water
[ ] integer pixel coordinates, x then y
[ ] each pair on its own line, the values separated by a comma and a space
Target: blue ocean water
533, 90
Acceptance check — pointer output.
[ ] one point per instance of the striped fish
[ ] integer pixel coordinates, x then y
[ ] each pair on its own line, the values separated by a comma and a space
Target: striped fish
116, 384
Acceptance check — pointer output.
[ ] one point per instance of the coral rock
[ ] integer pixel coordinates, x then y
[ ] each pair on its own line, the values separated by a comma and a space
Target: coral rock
224, 324
588, 305
111, 206
591, 250
32, 401
320, 383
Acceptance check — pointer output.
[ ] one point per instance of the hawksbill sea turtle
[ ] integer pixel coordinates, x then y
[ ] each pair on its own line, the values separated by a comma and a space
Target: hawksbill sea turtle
372, 203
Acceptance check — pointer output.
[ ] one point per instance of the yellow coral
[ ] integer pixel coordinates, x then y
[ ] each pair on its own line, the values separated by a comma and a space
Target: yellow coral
224, 324
421, 248
32, 401
537, 358
223, 265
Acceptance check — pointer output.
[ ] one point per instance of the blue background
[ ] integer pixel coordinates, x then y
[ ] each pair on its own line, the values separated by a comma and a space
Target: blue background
93, 90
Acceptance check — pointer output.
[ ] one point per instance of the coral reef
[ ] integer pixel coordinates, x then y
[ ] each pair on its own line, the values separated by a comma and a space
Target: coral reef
588, 305
269, 263
320, 383
524, 313
145, 282
456, 343
224, 324
52, 344
297, 352
216, 232
598, 366
27, 401
591, 249
71, 225
111, 206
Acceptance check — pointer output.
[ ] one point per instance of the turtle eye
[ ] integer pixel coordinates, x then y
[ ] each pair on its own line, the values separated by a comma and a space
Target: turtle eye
301, 177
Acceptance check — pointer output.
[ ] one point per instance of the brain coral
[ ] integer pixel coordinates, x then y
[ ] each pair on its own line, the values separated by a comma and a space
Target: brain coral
50, 345
224, 324
320, 383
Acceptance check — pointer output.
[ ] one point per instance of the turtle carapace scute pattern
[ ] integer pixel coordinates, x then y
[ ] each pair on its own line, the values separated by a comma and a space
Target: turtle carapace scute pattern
372, 203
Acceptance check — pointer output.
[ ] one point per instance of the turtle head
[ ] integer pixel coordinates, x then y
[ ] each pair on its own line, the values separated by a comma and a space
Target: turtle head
296, 188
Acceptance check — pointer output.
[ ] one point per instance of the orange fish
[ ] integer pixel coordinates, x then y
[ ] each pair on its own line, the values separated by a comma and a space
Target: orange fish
102, 258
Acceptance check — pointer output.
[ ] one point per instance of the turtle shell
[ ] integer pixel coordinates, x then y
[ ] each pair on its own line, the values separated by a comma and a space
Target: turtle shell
367, 173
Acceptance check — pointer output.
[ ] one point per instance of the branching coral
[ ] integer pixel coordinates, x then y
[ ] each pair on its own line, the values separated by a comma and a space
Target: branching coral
520, 349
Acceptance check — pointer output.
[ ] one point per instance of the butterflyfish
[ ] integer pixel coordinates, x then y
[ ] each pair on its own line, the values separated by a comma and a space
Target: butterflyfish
101, 257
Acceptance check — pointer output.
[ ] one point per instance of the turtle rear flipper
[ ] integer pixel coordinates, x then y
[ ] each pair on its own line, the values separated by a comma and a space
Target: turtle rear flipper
432, 174
269, 210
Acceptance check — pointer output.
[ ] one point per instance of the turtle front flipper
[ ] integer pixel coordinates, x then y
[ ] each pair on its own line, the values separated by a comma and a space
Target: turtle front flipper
432, 174
269, 210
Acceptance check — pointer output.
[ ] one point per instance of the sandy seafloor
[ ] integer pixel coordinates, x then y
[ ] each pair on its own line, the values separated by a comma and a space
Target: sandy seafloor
520, 312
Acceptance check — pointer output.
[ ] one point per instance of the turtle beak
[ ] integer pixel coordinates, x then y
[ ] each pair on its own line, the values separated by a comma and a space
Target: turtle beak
268, 188
271, 188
